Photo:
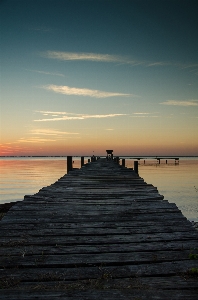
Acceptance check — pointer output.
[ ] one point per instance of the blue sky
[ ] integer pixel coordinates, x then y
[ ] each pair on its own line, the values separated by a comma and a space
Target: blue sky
78, 76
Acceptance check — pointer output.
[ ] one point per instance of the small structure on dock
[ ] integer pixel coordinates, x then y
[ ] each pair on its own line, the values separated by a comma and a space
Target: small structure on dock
109, 154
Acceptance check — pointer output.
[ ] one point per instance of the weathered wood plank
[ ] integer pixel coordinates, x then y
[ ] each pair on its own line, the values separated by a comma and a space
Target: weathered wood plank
100, 212
100, 239
92, 215
106, 282
97, 231
98, 204
156, 269
96, 259
20, 249
98, 294
179, 223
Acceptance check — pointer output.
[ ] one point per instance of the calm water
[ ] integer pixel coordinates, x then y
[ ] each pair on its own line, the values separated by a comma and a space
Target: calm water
178, 183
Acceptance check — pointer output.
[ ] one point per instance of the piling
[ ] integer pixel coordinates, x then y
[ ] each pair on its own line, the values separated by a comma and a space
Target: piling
93, 158
69, 164
136, 167
117, 160
123, 162
82, 161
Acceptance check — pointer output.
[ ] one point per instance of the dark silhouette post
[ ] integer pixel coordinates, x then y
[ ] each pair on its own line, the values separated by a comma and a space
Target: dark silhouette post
82, 161
123, 162
93, 158
136, 167
69, 164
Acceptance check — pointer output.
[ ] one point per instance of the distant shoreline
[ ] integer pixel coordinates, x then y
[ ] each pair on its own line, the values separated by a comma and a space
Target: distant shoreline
129, 156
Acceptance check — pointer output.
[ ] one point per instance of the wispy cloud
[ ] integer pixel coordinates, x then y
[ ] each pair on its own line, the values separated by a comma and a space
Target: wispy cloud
12, 149
97, 57
181, 102
142, 113
145, 115
82, 56
47, 73
35, 140
65, 116
66, 90
50, 132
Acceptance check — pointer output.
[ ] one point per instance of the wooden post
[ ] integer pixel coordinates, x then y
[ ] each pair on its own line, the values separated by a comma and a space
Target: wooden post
69, 164
88, 160
136, 167
117, 160
166, 161
82, 161
123, 162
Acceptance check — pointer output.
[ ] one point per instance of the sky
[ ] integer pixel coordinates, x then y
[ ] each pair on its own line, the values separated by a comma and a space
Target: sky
82, 76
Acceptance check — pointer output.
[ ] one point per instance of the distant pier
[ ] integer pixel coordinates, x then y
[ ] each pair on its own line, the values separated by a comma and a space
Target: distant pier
99, 232
176, 159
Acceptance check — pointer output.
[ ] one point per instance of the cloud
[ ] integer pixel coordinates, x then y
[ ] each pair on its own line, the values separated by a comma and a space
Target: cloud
66, 90
94, 57
141, 113
65, 116
34, 140
97, 57
47, 112
158, 63
181, 102
145, 115
47, 73
82, 56
50, 132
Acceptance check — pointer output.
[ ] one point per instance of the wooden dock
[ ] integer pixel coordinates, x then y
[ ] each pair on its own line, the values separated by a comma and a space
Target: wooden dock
99, 232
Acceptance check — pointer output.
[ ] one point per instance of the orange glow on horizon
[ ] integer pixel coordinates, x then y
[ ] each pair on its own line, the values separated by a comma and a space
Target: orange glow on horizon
98, 149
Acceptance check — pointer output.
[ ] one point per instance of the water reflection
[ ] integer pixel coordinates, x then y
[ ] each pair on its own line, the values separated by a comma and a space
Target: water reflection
24, 176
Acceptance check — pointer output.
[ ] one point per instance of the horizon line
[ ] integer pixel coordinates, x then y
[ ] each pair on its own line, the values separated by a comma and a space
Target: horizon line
130, 156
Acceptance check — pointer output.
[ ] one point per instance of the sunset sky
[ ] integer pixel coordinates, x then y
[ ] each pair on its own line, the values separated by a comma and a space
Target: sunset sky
79, 76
